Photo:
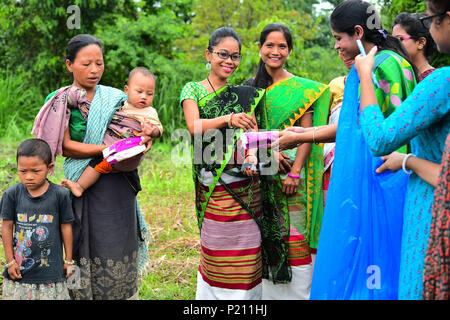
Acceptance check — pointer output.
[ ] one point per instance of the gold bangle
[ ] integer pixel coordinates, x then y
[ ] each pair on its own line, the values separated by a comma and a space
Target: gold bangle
314, 135
229, 121
10, 264
71, 263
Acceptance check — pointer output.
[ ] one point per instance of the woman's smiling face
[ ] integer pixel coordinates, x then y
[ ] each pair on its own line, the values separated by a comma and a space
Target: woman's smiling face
275, 50
346, 44
223, 68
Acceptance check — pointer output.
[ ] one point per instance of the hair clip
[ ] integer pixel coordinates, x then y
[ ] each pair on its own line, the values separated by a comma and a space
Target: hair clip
383, 32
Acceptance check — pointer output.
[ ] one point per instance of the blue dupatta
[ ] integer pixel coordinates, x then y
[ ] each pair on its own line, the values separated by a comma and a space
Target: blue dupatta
358, 255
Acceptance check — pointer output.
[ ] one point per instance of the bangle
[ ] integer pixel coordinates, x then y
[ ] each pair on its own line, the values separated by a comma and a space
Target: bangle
229, 121
70, 263
292, 176
314, 135
10, 264
404, 163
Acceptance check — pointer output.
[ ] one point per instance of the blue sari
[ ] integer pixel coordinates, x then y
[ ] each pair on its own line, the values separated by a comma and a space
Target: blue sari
358, 255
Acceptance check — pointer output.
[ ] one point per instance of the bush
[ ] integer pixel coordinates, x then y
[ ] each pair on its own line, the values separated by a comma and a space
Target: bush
19, 105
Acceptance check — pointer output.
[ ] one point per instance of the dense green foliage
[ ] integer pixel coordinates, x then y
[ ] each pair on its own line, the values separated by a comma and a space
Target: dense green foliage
169, 37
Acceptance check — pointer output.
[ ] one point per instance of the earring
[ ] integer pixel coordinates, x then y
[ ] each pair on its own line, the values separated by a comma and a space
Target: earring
208, 65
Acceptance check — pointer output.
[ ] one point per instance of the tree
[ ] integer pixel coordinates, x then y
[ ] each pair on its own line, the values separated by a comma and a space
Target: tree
248, 18
34, 34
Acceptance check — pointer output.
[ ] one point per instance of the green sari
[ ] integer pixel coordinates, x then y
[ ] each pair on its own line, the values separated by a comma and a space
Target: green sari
286, 102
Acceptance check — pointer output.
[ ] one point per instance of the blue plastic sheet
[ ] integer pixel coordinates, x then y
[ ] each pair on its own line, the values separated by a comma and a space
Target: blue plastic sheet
358, 255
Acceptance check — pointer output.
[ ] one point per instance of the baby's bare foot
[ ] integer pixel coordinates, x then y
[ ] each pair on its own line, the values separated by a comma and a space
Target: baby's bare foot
73, 186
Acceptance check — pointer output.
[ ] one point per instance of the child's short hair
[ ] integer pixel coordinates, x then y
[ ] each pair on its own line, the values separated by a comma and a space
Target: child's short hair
142, 70
35, 148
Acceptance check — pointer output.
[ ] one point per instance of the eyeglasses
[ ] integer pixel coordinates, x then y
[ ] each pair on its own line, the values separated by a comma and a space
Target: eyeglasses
427, 21
401, 38
225, 55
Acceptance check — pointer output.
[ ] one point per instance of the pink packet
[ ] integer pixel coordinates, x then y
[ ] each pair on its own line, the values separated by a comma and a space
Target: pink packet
121, 145
125, 154
257, 139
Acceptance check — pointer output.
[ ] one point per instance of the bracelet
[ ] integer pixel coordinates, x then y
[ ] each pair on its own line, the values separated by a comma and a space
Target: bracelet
314, 135
229, 121
253, 155
70, 263
10, 264
404, 163
292, 176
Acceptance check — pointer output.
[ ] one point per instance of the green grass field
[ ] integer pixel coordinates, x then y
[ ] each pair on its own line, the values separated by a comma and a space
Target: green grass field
167, 200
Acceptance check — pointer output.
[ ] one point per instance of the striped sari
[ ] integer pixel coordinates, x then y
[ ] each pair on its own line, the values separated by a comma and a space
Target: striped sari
227, 202
231, 240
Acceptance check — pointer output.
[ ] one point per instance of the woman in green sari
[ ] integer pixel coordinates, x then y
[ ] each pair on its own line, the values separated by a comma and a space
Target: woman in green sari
228, 201
292, 100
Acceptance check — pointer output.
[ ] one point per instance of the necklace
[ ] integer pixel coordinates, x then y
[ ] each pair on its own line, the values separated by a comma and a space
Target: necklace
207, 78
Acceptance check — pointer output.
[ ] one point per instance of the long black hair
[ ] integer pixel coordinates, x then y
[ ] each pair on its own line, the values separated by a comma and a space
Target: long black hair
351, 13
262, 78
78, 42
412, 25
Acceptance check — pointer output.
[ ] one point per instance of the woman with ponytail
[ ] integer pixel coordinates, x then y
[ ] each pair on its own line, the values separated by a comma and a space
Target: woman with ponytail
363, 217
227, 199
396, 74
292, 100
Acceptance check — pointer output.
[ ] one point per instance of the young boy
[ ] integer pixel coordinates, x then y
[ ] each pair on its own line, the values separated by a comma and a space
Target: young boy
37, 216
140, 90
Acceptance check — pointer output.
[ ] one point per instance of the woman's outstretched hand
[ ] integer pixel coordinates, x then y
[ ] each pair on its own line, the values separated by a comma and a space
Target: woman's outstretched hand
287, 140
295, 129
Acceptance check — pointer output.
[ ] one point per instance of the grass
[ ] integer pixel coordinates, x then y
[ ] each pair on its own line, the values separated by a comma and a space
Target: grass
167, 200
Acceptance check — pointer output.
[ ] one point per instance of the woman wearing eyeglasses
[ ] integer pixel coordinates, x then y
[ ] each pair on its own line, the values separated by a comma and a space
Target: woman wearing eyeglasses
423, 119
416, 39
227, 199
298, 185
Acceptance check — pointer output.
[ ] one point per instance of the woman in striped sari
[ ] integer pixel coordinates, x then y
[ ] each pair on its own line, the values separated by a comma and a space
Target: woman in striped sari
228, 202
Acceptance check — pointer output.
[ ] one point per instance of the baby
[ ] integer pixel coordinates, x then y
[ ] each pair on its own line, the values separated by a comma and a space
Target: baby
140, 90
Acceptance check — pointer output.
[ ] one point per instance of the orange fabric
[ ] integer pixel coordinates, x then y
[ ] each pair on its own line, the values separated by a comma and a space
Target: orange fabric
103, 167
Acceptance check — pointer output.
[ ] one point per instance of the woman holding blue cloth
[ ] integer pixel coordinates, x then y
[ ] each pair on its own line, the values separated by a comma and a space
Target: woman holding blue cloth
359, 243
423, 120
